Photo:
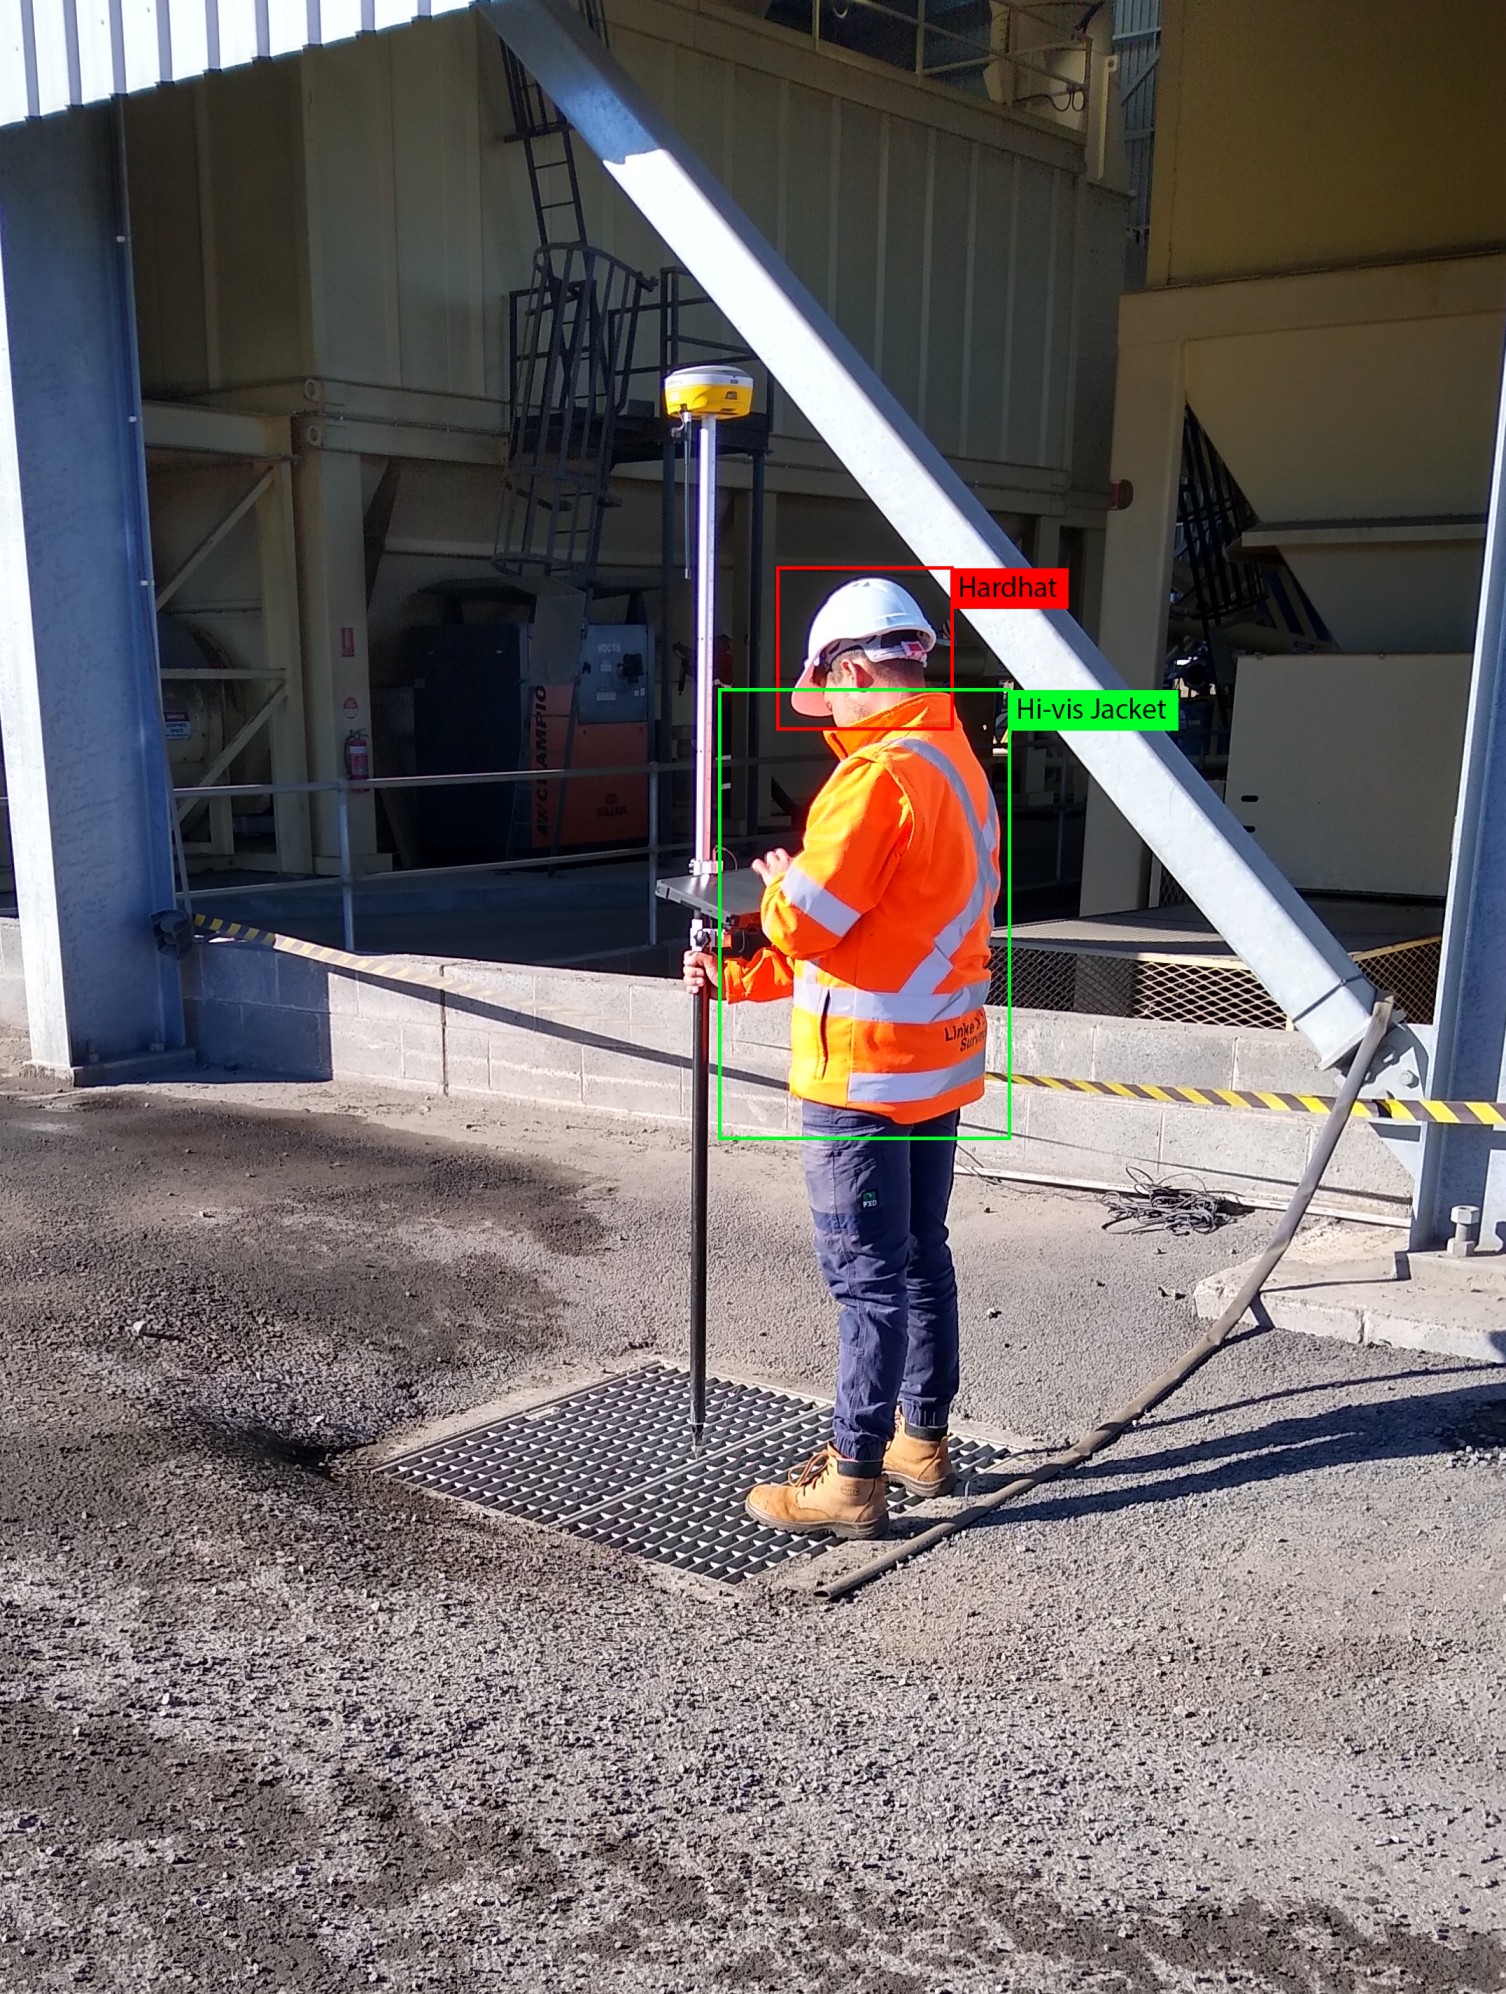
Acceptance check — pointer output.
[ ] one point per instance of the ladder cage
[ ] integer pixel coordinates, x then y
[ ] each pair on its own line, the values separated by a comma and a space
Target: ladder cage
573, 334
544, 135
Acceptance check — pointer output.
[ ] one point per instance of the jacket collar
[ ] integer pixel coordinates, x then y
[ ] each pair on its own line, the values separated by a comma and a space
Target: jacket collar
927, 710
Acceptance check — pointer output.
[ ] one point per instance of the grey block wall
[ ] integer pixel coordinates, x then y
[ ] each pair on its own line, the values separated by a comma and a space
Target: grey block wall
621, 1044
572, 1037
12, 975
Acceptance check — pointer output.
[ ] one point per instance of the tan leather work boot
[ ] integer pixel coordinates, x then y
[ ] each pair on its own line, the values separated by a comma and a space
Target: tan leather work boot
818, 1500
922, 1467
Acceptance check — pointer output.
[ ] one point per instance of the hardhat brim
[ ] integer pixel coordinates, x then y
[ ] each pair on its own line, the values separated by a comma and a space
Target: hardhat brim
807, 697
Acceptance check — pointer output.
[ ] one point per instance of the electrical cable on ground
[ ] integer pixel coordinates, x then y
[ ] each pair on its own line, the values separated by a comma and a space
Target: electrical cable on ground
1152, 1205
968, 1165
1116, 1424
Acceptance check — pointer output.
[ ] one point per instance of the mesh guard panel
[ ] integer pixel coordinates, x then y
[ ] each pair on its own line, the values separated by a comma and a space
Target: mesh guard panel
1187, 991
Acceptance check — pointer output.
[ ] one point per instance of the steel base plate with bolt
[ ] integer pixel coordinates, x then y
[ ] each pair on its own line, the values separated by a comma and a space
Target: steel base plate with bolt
612, 1463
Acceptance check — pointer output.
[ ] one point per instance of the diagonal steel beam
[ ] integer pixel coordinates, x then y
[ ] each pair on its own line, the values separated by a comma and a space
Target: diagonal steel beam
212, 539
1252, 905
228, 753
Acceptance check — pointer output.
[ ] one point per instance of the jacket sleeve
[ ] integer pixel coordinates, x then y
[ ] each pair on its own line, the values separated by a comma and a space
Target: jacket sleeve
859, 827
765, 976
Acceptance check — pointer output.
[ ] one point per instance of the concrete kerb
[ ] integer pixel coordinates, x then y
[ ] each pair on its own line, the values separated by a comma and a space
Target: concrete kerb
1385, 1296
621, 1044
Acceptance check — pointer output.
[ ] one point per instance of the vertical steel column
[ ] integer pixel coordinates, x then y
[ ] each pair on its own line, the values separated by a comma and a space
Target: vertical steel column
653, 815
347, 885
1149, 409
90, 807
1468, 1165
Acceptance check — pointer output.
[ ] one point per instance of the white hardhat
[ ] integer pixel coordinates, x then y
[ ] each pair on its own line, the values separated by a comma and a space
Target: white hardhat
872, 615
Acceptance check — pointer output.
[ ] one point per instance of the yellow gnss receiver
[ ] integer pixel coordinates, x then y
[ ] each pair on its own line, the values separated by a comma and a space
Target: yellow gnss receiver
708, 391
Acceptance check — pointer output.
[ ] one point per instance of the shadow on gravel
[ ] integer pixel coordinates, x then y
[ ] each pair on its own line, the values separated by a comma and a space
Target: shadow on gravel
1311, 1949
790, 1932
1325, 1386
255, 1445
1299, 1444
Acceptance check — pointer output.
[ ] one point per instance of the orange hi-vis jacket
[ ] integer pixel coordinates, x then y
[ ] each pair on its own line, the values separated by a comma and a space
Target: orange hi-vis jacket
880, 928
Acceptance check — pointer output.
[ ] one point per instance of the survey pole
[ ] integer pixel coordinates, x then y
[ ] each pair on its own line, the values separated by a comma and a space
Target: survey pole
700, 398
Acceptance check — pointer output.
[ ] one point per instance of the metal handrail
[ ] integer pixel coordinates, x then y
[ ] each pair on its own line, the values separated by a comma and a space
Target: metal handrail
344, 787
538, 862
983, 51
450, 781
333, 783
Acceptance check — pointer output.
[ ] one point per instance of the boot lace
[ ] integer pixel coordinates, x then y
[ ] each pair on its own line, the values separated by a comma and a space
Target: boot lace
810, 1471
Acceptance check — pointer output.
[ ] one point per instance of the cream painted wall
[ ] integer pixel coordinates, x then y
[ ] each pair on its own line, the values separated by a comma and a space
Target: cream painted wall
1376, 818
1302, 134
1354, 421
1344, 399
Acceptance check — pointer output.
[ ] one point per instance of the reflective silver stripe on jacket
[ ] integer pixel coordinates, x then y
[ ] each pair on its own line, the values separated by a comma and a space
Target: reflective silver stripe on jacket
985, 839
906, 1006
895, 1088
822, 905
918, 1000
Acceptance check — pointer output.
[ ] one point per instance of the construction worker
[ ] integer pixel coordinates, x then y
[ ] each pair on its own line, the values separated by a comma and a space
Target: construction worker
878, 929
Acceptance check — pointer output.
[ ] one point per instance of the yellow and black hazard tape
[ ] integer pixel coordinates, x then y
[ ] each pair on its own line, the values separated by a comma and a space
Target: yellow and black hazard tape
1382, 1108
389, 968
381, 968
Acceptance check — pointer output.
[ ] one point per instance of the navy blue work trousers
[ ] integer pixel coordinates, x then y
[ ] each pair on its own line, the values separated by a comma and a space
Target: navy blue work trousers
879, 1210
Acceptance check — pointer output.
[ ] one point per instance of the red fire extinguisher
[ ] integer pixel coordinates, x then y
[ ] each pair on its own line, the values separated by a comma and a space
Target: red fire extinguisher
357, 757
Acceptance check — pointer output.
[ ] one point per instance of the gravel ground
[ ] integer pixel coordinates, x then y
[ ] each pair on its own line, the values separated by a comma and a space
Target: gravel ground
1225, 1711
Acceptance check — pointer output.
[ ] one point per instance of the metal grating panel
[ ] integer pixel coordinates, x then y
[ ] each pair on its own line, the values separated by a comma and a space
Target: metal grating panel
612, 1463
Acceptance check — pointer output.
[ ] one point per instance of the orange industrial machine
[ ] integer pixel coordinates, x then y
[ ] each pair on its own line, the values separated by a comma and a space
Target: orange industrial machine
598, 722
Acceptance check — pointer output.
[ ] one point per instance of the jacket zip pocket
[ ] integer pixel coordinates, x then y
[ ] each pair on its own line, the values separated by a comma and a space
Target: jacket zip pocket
821, 1018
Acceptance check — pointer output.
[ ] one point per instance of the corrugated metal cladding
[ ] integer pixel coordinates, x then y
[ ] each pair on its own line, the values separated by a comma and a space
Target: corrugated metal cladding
54, 53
